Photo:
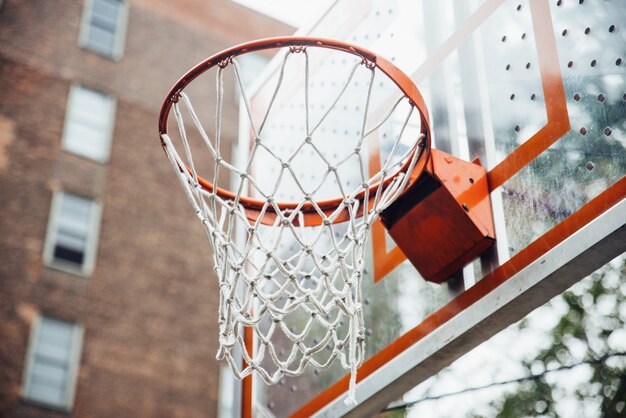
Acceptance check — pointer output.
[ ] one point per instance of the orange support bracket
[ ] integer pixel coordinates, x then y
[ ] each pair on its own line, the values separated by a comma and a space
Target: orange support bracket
444, 220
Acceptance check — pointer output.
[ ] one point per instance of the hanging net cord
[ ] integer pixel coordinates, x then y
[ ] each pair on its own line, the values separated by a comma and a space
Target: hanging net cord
318, 280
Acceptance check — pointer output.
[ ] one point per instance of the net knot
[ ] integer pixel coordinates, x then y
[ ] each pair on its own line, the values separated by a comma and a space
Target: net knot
369, 64
295, 49
223, 63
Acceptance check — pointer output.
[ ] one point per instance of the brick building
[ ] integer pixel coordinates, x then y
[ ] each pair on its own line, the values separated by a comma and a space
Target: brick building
107, 300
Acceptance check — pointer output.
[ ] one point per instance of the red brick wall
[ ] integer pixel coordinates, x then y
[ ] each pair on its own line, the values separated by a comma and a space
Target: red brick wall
149, 309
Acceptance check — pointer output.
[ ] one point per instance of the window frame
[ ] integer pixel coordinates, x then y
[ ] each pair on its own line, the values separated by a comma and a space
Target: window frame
120, 33
71, 99
88, 265
72, 372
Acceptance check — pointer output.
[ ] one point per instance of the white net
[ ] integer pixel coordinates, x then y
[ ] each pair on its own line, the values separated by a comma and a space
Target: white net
295, 285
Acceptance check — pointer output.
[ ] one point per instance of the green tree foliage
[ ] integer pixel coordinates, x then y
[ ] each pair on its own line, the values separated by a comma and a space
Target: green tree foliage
592, 327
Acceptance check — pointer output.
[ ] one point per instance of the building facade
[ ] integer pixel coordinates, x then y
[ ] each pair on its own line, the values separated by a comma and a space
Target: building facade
108, 302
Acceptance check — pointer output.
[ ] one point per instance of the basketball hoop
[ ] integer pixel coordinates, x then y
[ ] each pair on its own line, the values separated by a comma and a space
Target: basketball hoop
291, 270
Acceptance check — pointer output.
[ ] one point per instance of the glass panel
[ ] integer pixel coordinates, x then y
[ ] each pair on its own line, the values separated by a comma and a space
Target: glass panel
53, 354
101, 40
48, 374
87, 141
87, 131
55, 332
73, 228
47, 394
55, 340
105, 14
90, 107
67, 240
592, 155
103, 26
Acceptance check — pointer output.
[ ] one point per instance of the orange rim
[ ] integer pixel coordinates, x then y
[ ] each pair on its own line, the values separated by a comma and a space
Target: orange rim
311, 217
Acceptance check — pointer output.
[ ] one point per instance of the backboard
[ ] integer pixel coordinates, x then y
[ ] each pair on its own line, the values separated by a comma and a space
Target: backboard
537, 90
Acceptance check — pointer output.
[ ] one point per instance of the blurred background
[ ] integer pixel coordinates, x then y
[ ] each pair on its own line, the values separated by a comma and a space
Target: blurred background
107, 291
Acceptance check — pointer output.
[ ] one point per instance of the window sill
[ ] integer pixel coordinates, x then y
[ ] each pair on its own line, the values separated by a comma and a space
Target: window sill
65, 409
83, 272
101, 161
115, 57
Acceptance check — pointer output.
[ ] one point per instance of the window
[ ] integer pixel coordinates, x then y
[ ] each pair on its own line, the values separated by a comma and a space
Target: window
52, 362
104, 27
89, 123
72, 235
